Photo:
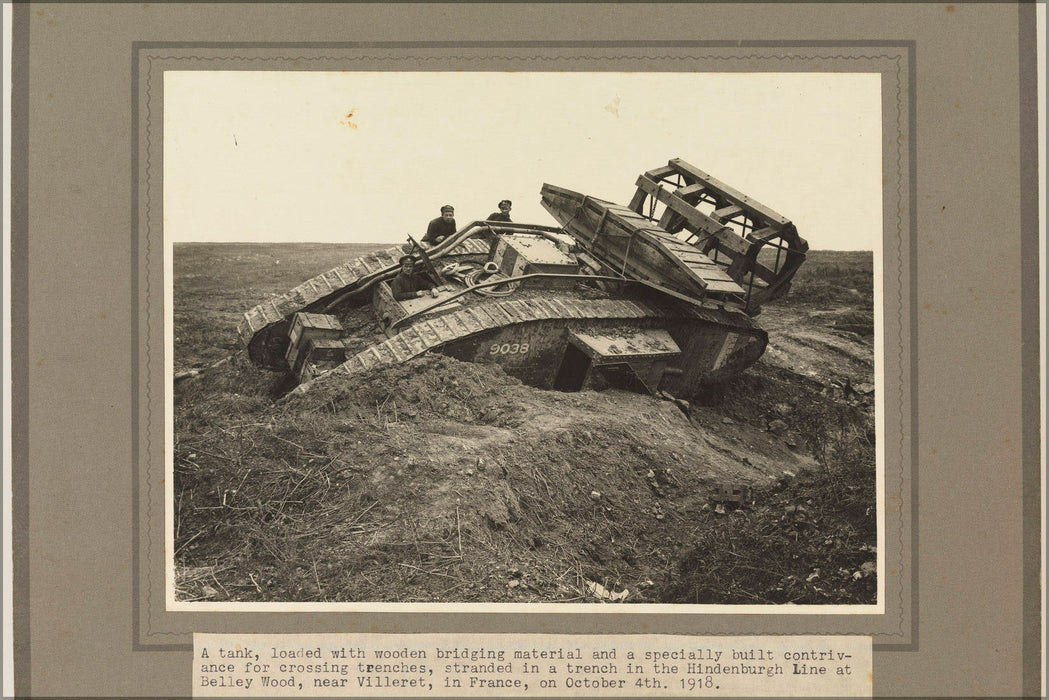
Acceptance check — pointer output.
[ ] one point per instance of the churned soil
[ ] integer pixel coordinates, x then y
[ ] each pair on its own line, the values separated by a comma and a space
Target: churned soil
444, 481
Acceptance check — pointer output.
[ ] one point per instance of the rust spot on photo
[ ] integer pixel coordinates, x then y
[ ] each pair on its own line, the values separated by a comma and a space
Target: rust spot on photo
348, 119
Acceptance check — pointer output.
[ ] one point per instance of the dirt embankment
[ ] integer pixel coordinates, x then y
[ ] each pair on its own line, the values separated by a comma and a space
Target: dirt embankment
446, 481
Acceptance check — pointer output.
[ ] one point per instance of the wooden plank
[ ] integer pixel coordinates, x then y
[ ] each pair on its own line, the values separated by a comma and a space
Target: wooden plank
651, 248
727, 212
689, 191
638, 200
696, 259
626, 213
763, 273
764, 235
709, 273
729, 287
706, 277
713, 281
682, 248
733, 195
695, 218
661, 172
669, 218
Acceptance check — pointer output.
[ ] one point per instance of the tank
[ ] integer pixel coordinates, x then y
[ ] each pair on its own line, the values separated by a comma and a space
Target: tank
659, 295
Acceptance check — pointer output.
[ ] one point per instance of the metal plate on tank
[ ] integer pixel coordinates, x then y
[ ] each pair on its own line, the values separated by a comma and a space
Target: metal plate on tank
540, 250
418, 304
630, 344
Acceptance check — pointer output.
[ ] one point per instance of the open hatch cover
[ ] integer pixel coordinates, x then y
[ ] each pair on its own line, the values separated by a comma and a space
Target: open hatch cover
622, 346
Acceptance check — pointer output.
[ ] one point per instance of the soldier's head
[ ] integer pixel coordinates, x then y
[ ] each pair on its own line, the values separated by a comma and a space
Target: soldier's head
448, 212
504, 206
407, 264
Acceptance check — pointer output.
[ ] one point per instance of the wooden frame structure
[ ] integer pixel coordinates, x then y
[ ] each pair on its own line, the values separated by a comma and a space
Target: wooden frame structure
733, 232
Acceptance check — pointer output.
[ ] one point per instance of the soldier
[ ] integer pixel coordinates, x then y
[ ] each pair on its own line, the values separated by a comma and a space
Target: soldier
409, 284
441, 227
504, 212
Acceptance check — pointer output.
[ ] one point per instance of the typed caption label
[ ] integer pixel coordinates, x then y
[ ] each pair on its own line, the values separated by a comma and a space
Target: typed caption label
253, 665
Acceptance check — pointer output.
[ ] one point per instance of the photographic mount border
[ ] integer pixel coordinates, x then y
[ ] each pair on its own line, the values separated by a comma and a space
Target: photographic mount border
142, 51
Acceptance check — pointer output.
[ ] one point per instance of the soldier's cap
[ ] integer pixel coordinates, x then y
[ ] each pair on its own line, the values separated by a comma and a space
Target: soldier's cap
447, 207
405, 257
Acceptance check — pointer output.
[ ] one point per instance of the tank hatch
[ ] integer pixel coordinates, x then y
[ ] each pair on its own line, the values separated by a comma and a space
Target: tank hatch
636, 344
525, 254
631, 359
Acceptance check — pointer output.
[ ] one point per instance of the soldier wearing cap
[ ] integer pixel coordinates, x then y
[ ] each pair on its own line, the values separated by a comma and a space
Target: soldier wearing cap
410, 284
441, 227
504, 212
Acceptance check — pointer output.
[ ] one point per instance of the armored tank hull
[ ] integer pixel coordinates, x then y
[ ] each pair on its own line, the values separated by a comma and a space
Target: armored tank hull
571, 341
265, 329
614, 297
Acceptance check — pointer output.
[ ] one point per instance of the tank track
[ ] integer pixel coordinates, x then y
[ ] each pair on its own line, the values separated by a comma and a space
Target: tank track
434, 333
272, 316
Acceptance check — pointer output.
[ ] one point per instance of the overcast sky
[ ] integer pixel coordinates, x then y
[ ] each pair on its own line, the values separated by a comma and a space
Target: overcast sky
371, 157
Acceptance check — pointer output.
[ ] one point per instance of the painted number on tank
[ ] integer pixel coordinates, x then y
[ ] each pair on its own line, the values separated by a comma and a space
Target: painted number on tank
508, 349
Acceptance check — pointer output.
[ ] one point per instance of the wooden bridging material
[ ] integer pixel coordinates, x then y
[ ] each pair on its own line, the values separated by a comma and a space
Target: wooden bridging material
637, 248
680, 186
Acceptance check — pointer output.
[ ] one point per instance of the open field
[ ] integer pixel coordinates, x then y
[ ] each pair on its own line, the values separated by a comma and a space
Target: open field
444, 481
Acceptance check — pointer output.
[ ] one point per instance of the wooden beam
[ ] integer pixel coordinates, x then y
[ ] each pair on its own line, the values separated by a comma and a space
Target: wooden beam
660, 173
726, 212
637, 202
729, 242
691, 172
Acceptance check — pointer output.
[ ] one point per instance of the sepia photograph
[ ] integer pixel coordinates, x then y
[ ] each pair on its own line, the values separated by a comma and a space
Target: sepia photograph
496, 339
523, 348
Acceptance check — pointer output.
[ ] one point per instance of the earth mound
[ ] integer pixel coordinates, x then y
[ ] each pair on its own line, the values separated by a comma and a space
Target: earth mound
443, 481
